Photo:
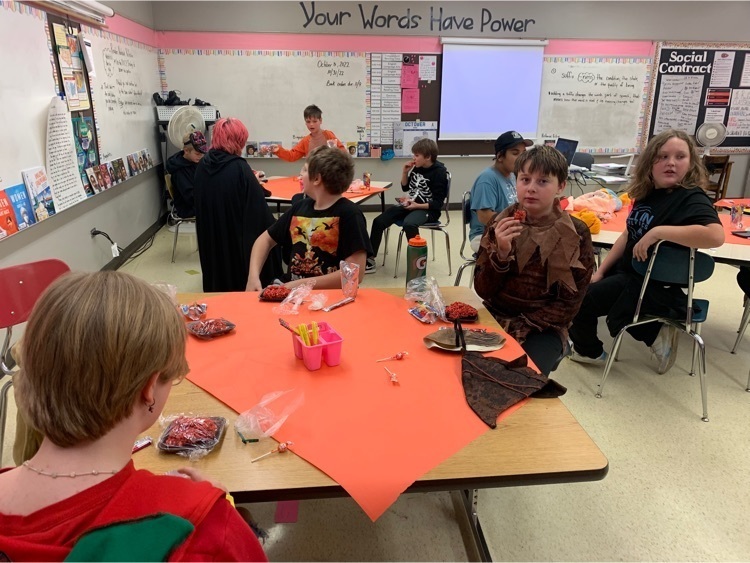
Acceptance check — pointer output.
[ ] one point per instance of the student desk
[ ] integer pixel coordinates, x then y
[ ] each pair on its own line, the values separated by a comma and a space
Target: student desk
541, 443
282, 189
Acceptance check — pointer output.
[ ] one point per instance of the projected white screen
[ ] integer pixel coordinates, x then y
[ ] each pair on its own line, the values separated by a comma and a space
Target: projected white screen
488, 89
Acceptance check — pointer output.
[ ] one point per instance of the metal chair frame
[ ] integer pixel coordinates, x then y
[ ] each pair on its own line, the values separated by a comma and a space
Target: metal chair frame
691, 326
20, 287
432, 227
469, 261
175, 219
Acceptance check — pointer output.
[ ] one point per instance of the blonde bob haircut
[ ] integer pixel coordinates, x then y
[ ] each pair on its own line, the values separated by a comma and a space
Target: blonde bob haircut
90, 346
643, 182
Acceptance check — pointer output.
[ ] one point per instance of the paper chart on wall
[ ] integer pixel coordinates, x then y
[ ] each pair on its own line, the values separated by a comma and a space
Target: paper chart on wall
678, 104
738, 124
598, 101
745, 78
62, 162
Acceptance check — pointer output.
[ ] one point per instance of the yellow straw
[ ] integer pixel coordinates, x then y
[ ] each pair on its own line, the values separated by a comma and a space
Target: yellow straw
314, 333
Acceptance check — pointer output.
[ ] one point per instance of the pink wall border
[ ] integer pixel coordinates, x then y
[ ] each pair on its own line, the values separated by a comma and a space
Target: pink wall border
297, 42
567, 47
131, 30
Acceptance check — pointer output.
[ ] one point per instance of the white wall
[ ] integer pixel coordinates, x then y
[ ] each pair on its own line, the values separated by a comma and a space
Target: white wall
124, 212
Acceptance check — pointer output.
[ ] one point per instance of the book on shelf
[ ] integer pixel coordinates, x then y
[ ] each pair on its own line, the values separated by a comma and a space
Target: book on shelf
40, 192
19, 199
8, 225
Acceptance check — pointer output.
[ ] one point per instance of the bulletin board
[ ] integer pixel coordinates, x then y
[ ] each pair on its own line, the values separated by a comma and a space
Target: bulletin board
696, 83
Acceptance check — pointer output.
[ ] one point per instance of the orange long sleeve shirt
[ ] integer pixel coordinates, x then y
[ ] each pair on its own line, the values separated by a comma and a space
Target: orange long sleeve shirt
302, 149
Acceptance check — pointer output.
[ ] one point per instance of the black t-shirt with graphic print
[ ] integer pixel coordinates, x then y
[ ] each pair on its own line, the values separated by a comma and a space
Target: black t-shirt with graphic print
319, 239
674, 207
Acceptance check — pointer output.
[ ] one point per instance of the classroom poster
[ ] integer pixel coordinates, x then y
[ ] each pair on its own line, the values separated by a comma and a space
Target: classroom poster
83, 136
696, 83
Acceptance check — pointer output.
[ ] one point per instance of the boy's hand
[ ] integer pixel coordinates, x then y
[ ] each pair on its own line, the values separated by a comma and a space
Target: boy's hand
412, 205
408, 166
253, 285
505, 231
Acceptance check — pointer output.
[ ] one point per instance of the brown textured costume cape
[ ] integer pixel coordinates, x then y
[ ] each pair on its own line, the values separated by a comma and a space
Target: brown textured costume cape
542, 283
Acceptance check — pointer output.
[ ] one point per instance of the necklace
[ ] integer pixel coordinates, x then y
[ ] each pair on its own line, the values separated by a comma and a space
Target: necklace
72, 474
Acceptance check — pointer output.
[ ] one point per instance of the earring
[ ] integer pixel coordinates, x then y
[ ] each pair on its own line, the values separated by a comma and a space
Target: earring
151, 406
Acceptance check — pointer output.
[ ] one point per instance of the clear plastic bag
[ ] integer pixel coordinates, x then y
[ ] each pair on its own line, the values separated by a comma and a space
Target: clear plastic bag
189, 435
317, 301
169, 289
291, 305
349, 278
429, 302
265, 418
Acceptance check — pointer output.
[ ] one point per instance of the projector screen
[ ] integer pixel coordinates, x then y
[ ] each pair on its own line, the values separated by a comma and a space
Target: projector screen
489, 89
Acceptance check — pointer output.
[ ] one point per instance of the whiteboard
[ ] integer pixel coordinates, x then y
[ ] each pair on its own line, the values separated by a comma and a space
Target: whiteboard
127, 75
268, 90
25, 94
599, 102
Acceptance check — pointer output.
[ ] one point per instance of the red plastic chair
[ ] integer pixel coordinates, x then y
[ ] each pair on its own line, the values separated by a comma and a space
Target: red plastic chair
20, 287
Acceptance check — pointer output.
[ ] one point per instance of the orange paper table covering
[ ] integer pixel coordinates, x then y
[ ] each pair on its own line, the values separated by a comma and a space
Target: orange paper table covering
726, 221
285, 188
729, 202
374, 438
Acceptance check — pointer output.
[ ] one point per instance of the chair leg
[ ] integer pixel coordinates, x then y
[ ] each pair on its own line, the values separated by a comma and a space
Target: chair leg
747, 387
743, 325
385, 247
176, 233
460, 272
448, 250
697, 330
432, 241
702, 374
4, 410
398, 253
610, 360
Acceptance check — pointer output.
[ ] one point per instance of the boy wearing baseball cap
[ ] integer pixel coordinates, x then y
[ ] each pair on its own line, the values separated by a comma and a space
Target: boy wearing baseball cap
181, 167
495, 188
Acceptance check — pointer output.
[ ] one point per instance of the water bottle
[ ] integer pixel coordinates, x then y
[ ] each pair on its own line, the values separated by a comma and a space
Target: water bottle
416, 258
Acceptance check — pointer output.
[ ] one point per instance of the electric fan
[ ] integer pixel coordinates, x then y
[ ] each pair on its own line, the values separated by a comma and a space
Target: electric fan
710, 135
185, 120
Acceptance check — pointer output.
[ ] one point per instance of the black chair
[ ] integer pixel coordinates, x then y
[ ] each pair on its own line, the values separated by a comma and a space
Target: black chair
684, 267
469, 261
436, 226
174, 218
583, 159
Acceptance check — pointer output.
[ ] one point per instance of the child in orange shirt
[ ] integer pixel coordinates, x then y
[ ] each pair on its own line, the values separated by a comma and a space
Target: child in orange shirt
317, 137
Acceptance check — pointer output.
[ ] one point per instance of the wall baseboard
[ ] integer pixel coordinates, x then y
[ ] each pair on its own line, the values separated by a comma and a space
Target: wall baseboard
115, 263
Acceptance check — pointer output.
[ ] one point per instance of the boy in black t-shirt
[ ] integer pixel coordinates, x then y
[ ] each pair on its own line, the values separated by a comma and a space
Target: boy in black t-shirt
321, 229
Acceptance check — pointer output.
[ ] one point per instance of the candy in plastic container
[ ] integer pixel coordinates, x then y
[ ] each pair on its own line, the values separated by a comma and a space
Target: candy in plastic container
194, 312
191, 436
210, 328
274, 293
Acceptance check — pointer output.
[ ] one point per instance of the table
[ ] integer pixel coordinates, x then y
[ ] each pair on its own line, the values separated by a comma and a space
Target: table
735, 251
541, 443
282, 189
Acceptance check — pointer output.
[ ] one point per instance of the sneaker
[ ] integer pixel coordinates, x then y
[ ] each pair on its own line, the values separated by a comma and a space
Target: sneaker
581, 359
371, 267
665, 348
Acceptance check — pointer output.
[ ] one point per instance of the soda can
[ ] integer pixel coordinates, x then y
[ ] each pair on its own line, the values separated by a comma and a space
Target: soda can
366, 177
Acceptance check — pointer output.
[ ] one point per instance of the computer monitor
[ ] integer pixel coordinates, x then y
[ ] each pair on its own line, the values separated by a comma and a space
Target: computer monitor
568, 148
